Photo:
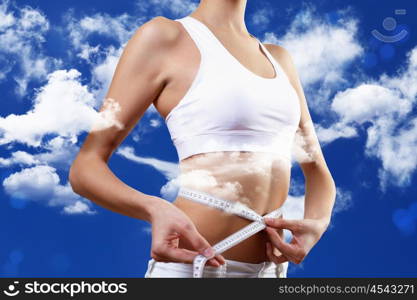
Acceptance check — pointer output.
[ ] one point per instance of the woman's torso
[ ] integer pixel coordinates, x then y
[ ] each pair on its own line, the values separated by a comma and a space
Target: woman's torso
257, 179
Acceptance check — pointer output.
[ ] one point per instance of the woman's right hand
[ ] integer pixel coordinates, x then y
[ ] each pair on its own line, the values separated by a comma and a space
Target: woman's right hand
169, 224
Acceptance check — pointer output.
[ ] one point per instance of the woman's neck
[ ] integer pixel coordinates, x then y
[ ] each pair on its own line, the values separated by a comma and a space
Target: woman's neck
224, 15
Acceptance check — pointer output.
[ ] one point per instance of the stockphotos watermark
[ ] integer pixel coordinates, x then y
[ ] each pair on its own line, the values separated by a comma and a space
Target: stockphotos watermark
72, 288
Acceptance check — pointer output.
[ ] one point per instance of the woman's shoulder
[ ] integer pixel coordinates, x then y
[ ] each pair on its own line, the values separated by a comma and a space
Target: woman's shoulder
279, 52
159, 31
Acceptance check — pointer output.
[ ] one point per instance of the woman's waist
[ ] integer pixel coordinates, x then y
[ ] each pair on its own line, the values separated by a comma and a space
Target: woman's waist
202, 201
220, 222
215, 225
259, 194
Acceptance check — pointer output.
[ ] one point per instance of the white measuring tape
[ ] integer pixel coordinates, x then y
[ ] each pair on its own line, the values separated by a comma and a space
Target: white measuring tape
236, 208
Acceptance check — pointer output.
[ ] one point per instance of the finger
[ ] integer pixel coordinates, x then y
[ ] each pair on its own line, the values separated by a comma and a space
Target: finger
275, 251
280, 259
279, 223
296, 253
220, 259
213, 262
197, 241
177, 254
285, 248
158, 258
182, 256
187, 256
274, 258
216, 261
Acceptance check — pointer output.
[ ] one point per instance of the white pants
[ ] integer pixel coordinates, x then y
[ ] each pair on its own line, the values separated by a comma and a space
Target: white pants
231, 268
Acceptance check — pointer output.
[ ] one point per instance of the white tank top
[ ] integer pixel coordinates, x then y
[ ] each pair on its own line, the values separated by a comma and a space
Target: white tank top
230, 108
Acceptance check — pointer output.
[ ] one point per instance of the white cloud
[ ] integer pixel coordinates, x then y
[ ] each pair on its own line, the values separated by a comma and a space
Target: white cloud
63, 106
29, 24
59, 153
78, 207
6, 18
35, 183
169, 190
155, 123
406, 82
395, 145
330, 47
368, 102
294, 207
18, 157
387, 104
262, 17
335, 131
168, 169
41, 184
343, 200
103, 71
87, 51
22, 32
117, 28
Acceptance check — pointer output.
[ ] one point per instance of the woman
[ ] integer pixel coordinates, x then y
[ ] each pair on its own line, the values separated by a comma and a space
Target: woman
233, 107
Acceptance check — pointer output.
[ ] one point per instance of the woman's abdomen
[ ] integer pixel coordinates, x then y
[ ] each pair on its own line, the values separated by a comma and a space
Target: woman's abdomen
258, 180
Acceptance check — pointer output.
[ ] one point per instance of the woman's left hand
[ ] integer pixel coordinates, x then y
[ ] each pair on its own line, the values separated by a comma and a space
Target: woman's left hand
305, 234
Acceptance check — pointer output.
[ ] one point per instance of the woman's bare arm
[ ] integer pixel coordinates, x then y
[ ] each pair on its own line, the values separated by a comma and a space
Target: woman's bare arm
320, 189
138, 80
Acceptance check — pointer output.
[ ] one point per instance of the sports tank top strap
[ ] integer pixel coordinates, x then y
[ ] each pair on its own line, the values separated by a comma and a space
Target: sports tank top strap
276, 64
199, 34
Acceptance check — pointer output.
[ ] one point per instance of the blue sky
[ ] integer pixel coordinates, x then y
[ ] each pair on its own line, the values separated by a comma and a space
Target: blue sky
361, 92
